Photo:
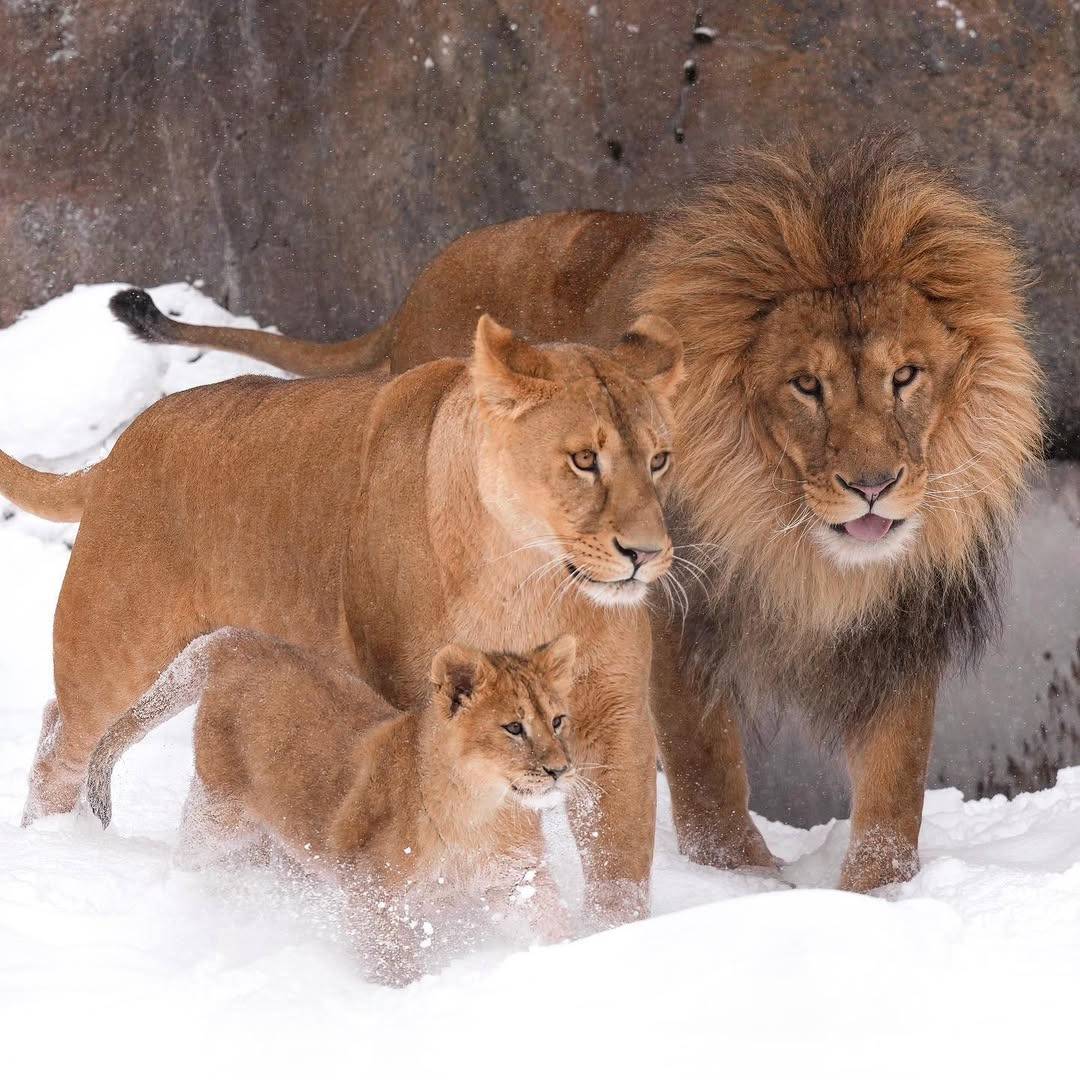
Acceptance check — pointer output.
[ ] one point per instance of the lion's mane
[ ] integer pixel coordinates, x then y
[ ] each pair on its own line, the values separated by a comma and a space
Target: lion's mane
783, 623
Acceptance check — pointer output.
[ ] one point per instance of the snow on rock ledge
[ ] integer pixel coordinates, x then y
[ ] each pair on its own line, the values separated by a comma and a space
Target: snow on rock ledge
74, 377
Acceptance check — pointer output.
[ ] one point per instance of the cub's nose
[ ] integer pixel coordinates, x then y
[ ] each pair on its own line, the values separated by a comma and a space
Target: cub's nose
555, 773
637, 556
871, 486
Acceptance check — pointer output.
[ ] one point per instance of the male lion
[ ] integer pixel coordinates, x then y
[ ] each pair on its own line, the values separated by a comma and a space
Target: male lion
857, 419
501, 502
412, 814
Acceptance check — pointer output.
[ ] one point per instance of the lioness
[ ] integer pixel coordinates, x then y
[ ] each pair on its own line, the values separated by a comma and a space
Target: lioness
503, 502
409, 812
858, 416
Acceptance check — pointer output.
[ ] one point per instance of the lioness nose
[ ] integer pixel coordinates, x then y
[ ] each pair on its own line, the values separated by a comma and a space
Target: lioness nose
872, 486
637, 556
555, 773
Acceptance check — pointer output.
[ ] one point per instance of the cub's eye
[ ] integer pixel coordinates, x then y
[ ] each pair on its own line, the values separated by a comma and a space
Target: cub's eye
513, 729
584, 460
810, 385
659, 461
557, 722
904, 376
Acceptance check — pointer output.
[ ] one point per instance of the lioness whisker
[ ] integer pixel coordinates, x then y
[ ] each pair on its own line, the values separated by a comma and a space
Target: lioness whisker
541, 572
678, 593
535, 542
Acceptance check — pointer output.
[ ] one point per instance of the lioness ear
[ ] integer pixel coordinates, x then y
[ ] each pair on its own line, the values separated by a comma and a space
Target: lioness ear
555, 661
458, 671
652, 351
508, 373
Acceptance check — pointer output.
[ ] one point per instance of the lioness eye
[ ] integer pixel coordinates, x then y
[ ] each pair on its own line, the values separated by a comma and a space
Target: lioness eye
557, 722
513, 729
810, 385
659, 460
585, 460
904, 376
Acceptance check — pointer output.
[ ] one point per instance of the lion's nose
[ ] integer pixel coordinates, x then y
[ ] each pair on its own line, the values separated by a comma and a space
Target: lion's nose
637, 556
555, 773
871, 486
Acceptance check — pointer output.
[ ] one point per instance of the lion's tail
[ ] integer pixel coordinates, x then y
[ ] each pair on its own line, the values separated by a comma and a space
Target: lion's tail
177, 687
137, 311
55, 496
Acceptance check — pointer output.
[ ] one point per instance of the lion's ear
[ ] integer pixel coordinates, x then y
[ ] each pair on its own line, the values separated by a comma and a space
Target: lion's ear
458, 672
508, 373
652, 351
555, 662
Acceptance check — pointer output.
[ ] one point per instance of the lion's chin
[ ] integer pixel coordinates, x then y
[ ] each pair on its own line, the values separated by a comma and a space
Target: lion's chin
864, 547
615, 593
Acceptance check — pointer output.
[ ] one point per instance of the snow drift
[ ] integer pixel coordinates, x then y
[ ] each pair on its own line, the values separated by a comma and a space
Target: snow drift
115, 963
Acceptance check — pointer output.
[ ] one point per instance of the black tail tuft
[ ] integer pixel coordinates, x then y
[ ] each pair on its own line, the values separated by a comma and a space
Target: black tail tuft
138, 312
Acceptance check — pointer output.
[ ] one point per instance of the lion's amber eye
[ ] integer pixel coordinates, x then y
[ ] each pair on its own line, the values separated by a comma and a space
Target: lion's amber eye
904, 376
514, 729
585, 460
659, 461
557, 722
810, 385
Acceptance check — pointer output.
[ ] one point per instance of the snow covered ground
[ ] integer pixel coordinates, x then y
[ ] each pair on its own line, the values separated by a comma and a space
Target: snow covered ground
115, 963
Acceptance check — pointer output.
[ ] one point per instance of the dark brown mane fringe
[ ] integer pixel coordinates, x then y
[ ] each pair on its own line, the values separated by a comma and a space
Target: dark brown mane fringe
836, 683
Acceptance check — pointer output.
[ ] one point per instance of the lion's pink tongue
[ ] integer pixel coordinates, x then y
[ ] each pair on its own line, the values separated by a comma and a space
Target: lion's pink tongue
868, 527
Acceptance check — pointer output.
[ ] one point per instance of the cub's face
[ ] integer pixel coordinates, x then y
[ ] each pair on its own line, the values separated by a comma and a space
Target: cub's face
578, 456
506, 720
848, 389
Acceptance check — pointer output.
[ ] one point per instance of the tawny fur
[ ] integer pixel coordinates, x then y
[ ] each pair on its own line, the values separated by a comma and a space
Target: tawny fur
409, 813
857, 252
373, 520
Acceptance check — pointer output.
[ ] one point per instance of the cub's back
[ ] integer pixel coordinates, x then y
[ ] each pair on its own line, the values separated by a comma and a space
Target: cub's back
284, 729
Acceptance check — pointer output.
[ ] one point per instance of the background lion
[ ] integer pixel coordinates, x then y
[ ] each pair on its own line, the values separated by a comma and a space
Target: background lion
857, 420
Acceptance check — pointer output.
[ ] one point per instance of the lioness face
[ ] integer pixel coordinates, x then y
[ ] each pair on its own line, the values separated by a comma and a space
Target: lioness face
847, 388
506, 719
578, 456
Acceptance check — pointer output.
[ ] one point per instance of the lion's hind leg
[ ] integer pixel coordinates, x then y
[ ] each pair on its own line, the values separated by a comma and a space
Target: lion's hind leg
52, 789
214, 830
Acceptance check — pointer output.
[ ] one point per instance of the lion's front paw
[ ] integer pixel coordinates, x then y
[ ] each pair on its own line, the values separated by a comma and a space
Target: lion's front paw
740, 847
878, 858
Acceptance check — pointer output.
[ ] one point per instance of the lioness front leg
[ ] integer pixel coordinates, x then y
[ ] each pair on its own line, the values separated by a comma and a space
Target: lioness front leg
888, 763
613, 815
702, 750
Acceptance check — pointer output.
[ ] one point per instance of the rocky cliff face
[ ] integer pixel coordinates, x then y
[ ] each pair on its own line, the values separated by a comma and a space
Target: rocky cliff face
306, 157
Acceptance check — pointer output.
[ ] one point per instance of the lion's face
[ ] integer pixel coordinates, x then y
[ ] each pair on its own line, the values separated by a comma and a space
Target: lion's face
578, 455
505, 719
847, 387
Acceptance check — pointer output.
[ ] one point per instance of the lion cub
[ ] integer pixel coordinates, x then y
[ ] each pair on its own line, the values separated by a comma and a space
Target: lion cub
403, 810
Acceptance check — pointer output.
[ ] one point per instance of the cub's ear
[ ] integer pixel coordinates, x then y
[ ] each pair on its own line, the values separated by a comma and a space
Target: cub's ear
555, 662
458, 672
508, 373
652, 351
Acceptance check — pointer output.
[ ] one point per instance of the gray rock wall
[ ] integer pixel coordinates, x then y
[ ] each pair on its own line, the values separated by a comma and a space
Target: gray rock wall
306, 157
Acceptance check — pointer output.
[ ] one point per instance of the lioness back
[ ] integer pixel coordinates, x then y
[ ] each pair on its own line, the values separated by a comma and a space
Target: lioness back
226, 504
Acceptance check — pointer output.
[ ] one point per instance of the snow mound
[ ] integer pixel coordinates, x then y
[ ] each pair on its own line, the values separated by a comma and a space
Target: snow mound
74, 377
